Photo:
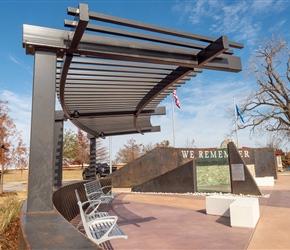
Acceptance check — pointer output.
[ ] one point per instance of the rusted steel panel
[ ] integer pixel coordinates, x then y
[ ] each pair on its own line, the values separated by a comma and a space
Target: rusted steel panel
151, 165
65, 201
178, 180
162, 160
242, 182
266, 164
106, 182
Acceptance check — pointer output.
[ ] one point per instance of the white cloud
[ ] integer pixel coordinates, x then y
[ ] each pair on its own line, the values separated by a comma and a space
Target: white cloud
17, 61
240, 19
262, 5
20, 106
280, 5
277, 27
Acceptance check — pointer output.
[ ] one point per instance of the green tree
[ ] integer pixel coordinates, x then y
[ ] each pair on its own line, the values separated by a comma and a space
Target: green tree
76, 148
69, 146
267, 108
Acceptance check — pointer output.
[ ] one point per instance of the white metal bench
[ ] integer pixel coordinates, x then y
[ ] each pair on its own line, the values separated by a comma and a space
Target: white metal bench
91, 211
243, 211
108, 188
94, 191
100, 229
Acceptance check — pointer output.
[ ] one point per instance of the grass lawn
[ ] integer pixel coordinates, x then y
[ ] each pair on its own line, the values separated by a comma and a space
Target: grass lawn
22, 175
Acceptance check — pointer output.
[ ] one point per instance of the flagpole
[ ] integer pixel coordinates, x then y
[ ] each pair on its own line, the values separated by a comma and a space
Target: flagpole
173, 123
236, 121
110, 149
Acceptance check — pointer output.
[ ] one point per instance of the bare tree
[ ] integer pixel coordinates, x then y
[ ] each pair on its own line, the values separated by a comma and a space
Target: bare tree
267, 108
12, 149
164, 144
272, 142
148, 147
129, 152
82, 148
102, 153
20, 159
189, 143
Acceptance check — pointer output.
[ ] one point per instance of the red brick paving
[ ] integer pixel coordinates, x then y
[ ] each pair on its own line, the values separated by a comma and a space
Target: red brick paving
159, 221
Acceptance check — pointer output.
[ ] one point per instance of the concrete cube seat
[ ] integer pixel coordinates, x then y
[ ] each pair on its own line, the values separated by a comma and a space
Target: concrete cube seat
267, 181
219, 205
243, 211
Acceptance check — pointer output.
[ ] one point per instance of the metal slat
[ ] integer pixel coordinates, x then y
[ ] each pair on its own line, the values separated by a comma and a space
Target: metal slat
153, 28
84, 68
146, 37
86, 75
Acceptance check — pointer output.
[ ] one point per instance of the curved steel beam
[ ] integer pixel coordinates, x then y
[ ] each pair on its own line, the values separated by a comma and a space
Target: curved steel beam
174, 77
83, 20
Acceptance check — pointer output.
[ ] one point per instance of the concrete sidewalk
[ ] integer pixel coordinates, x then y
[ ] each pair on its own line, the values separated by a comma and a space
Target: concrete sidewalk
273, 229
14, 186
160, 221
22, 185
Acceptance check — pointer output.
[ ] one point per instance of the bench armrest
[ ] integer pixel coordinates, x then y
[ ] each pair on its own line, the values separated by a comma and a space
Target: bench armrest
110, 191
93, 204
112, 220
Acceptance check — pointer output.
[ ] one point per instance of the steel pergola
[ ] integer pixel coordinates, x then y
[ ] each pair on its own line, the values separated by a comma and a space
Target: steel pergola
112, 73
109, 74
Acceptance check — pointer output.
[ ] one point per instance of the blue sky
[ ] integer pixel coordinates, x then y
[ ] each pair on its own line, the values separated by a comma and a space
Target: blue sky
203, 99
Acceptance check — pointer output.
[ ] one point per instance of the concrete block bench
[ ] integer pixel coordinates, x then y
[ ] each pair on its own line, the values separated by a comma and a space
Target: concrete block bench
243, 211
219, 205
267, 181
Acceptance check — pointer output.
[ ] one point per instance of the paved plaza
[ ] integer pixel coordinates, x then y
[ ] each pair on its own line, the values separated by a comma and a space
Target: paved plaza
169, 221
158, 221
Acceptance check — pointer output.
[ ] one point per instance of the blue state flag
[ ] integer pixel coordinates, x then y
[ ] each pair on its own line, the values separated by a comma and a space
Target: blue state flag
239, 113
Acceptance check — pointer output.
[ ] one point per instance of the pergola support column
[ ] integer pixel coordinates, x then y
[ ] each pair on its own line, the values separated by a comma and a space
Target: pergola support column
41, 160
92, 158
58, 142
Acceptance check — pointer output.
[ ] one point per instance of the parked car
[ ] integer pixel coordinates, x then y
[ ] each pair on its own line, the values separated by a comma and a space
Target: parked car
102, 170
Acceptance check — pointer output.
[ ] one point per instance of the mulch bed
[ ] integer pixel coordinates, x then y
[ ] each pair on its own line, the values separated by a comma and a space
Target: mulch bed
9, 238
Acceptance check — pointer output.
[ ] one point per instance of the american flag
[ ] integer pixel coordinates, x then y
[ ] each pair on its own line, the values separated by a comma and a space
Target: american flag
176, 98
